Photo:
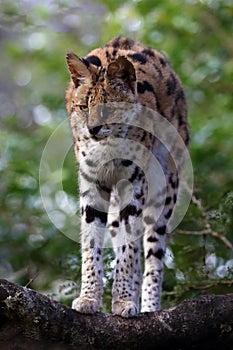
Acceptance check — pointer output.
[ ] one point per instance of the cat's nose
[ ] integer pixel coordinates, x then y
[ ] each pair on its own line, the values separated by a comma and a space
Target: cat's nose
94, 131
100, 132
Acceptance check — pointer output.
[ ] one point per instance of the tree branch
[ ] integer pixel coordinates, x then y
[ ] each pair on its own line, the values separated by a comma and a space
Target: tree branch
210, 232
207, 230
29, 319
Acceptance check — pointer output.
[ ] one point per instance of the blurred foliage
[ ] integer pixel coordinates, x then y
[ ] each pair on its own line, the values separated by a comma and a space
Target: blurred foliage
196, 36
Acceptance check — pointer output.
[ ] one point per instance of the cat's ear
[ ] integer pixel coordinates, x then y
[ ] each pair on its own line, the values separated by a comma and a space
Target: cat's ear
122, 69
78, 69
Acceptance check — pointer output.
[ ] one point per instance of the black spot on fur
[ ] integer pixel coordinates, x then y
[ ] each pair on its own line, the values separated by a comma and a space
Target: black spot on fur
158, 254
143, 136
149, 52
115, 45
171, 84
152, 239
180, 95
92, 243
92, 214
114, 53
174, 183
150, 252
163, 61
126, 162
107, 54
168, 200
129, 210
169, 213
161, 230
138, 57
145, 86
134, 175
115, 223
116, 42
127, 44
94, 60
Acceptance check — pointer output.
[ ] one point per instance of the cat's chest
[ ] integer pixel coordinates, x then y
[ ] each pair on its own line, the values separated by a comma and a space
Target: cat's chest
108, 161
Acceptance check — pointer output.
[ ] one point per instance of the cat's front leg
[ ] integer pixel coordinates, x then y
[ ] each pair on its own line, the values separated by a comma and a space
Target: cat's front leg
127, 281
93, 222
156, 220
91, 281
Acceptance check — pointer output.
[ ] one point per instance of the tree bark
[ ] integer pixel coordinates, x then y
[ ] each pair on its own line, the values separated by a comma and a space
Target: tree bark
30, 320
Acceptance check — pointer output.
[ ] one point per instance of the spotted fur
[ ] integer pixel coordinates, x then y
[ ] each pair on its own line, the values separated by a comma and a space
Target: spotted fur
108, 89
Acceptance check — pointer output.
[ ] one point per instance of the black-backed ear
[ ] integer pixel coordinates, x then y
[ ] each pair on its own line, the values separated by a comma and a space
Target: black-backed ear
124, 70
78, 70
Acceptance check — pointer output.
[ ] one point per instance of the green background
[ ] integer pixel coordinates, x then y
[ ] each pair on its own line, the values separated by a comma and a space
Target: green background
196, 37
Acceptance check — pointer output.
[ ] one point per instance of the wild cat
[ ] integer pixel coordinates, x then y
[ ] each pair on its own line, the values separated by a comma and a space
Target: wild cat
114, 98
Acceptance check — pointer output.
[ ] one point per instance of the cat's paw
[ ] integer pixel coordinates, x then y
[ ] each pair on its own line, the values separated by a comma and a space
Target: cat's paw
124, 308
85, 305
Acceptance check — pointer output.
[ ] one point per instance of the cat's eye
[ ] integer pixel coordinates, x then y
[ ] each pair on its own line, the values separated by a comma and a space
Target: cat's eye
83, 108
